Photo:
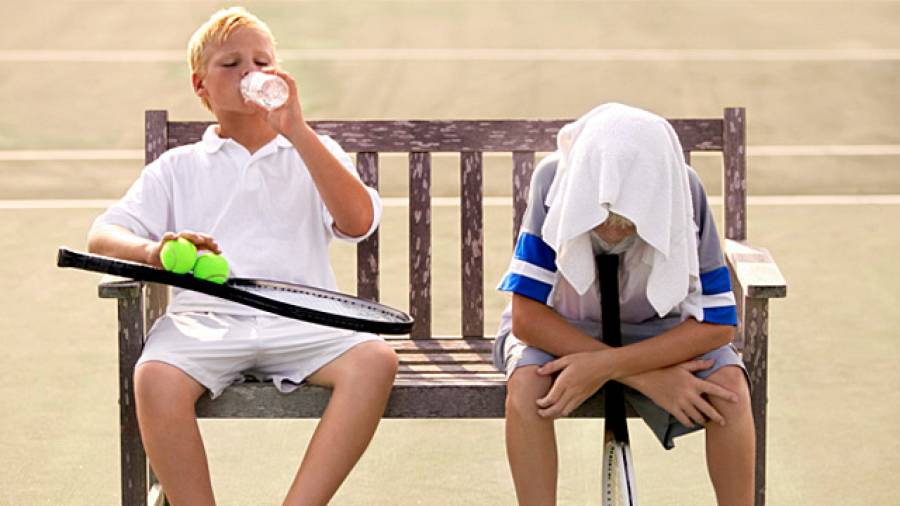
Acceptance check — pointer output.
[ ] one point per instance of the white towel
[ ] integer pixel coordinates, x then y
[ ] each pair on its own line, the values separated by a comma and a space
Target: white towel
629, 161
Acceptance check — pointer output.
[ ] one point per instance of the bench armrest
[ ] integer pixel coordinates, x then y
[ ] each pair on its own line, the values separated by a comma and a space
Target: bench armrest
140, 303
755, 271
114, 287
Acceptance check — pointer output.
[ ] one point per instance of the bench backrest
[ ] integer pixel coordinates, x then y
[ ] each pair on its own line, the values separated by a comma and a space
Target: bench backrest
471, 138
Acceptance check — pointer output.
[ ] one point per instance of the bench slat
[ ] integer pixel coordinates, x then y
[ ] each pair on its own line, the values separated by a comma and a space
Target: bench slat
444, 357
735, 178
420, 243
411, 398
405, 345
451, 136
523, 167
367, 251
427, 368
479, 378
472, 244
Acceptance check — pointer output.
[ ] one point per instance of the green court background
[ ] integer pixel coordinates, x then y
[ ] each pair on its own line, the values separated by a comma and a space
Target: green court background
815, 76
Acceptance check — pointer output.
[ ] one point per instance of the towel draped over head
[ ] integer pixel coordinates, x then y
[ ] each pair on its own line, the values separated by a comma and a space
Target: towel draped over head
628, 161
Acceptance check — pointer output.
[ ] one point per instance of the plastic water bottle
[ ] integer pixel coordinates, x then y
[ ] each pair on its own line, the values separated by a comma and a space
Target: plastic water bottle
267, 90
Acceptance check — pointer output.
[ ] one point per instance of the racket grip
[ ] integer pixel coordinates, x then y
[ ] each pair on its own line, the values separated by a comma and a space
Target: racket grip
64, 258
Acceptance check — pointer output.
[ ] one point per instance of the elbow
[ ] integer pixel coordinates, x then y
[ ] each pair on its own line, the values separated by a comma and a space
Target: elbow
100, 239
94, 242
724, 334
518, 326
359, 224
523, 313
364, 225
356, 231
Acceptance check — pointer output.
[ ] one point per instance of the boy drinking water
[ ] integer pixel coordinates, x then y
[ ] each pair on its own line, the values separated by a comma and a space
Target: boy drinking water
618, 184
269, 193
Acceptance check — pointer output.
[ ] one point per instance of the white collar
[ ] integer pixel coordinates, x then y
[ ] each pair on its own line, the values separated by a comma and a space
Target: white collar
212, 143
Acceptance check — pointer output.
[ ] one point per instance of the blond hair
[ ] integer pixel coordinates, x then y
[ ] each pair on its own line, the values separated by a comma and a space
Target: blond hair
216, 30
617, 220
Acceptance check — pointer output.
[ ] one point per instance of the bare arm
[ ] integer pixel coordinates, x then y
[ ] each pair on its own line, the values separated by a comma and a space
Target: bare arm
119, 242
538, 325
587, 364
343, 194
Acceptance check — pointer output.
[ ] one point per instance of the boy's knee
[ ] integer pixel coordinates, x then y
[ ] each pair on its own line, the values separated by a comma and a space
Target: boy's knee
159, 386
734, 380
524, 387
385, 356
377, 358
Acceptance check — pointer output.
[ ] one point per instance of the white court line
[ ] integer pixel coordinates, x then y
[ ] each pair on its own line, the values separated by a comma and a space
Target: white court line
826, 150
56, 204
393, 202
474, 54
39, 155
545, 2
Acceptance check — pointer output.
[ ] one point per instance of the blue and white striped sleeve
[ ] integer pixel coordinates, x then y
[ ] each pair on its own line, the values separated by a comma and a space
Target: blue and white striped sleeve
718, 299
532, 271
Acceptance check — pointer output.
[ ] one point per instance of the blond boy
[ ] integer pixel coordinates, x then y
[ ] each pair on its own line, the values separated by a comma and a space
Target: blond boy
268, 193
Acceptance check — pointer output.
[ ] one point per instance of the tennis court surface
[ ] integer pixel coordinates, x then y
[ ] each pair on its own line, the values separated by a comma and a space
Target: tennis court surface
818, 79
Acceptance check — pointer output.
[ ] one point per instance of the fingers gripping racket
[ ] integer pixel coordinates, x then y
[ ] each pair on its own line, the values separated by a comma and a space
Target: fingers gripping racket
299, 302
618, 466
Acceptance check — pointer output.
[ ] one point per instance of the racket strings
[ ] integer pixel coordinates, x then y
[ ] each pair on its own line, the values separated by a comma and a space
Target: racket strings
324, 302
618, 479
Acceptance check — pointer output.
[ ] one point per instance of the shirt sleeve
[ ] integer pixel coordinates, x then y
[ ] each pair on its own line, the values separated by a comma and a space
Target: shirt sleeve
532, 270
717, 298
345, 160
145, 210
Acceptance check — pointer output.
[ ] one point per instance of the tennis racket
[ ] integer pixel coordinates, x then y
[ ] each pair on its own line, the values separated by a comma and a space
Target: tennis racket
299, 302
618, 466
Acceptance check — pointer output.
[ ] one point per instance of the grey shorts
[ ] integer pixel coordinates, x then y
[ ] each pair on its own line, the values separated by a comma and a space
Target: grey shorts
510, 354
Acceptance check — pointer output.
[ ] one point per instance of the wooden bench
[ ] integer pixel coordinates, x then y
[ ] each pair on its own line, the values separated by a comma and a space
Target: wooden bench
445, 376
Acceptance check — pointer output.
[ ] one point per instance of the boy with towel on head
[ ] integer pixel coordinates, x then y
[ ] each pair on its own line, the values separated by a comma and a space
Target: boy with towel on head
618, 184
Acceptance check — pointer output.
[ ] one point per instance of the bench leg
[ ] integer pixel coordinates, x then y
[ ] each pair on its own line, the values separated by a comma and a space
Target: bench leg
133, 458
756, 349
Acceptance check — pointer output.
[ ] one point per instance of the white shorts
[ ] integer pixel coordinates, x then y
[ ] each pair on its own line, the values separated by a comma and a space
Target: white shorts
218, 350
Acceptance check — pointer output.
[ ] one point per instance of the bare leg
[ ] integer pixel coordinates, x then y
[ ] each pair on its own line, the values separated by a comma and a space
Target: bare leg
731, 450
165, 398
530, 439
361, 380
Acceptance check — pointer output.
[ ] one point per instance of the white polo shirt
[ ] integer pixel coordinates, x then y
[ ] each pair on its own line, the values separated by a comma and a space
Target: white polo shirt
263, 210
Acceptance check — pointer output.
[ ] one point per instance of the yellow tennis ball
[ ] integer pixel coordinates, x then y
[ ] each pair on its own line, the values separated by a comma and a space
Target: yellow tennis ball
211, 267
178, 256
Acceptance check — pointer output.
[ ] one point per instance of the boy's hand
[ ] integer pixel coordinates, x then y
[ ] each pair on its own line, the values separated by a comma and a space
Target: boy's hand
679, 392
200, 240
581, 375
287, 119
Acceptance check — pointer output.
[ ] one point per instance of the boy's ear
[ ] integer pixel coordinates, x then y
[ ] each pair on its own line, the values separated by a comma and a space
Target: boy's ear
197, 83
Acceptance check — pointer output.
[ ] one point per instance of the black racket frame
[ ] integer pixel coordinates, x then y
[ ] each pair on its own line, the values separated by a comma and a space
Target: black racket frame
232, 290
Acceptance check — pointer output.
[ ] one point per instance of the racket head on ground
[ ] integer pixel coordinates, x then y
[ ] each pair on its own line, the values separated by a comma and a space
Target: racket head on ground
618, 466
618, 473
300, 302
